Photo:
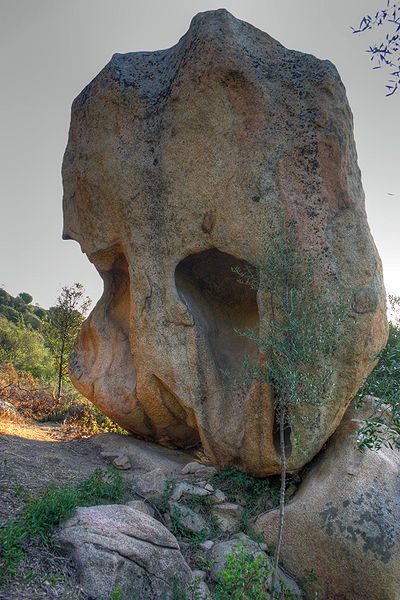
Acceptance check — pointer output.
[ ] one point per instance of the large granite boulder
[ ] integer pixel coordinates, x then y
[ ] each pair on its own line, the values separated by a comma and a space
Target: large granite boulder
342, 529
178, 163
116, 546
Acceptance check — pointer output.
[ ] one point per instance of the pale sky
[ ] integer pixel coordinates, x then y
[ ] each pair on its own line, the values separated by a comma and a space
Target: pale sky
50, 49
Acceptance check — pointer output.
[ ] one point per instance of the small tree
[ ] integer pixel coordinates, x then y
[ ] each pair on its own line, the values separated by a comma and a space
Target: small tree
25, 297
63, 323
295, 340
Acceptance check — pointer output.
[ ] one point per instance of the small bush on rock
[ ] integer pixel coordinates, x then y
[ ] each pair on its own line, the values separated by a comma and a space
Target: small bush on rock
244, 577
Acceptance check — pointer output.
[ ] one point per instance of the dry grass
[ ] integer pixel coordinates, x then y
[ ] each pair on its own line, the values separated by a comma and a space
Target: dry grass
33, 399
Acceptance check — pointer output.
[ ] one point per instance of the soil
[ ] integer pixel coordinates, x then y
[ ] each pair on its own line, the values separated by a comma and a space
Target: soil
33, 456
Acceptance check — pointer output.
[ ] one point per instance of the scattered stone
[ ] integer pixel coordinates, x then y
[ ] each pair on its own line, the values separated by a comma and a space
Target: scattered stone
184, 547
142, 506
188, 518
202, 591
229, 516
110, 455
207, 545
209, 487
191, 468
218, 497
345, 528
115, 546
122, 462
184, 488
195, 468
197, 574
150, 484
167, 520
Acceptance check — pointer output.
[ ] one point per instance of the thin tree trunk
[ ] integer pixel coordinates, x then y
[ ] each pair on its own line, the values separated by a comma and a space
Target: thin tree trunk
282, 449
60, 372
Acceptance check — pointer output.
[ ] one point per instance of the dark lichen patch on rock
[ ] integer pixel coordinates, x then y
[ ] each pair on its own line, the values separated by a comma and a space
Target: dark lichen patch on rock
364, 519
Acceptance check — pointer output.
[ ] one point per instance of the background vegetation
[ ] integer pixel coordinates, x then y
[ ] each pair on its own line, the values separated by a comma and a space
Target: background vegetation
30, 365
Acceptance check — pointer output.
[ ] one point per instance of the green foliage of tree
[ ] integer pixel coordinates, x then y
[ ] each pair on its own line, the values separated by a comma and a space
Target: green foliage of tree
25, 349
296, 339
62, 326
10, 313
19, 310
386, 53
33, 321
25, 297
382, 427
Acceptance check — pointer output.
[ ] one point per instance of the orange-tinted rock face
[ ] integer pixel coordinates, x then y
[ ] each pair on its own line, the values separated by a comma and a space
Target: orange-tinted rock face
177, 162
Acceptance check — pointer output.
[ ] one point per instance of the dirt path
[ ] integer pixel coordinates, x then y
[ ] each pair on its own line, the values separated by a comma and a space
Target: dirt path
33, 456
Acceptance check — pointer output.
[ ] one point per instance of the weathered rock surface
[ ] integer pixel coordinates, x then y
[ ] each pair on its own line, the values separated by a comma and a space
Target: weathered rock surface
117, 546
178, 163
187, 489
229, 516
143, 456
152, 483
344, 522
142, 506
188, 519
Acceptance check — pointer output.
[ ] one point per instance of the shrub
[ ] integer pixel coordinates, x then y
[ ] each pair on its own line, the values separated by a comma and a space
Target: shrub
258, 495
382, 428
25, 349
34, 399
245, 576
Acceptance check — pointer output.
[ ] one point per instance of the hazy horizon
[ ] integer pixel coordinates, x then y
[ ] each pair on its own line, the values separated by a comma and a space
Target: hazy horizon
52, 49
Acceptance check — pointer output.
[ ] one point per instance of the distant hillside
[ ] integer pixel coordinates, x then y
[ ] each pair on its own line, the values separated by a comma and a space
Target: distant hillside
20, 310
22, 342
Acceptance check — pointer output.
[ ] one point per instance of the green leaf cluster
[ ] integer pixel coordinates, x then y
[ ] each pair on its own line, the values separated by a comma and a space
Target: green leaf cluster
20, 311
25, 348
298, 332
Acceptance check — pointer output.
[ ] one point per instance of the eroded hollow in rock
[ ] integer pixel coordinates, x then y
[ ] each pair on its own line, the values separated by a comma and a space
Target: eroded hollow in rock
116, 293
221, 305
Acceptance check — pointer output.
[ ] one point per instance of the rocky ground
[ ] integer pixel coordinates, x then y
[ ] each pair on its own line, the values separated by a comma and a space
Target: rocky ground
177, 519
198, 511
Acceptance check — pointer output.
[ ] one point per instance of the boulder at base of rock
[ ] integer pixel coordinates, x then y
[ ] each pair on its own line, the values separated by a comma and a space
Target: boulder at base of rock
344, 523
115, 546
